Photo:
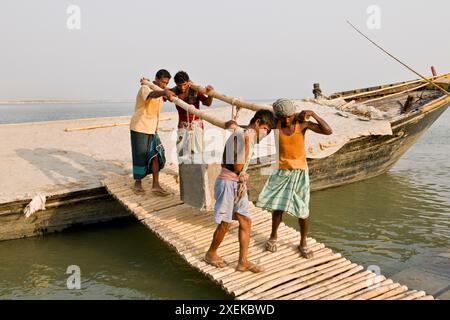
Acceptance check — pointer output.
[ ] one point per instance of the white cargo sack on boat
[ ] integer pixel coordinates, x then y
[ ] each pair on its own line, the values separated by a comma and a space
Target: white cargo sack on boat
36, 204
346, 125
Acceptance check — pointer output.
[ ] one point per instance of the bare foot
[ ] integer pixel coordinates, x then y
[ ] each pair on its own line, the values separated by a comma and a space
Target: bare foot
305, 252
215, 261
249, 266
137, 188
160, 191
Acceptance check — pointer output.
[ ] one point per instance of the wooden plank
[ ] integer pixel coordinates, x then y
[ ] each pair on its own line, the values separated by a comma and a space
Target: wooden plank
255, 250
255, 253
226, 276
294, 288
402, 295
428, 297
414, 295
343, 294
371, 291
227, 247
275, 266
320, 291
266, 256
225, 273
316, 290
328, 270
323, 271
395, 291
238, 288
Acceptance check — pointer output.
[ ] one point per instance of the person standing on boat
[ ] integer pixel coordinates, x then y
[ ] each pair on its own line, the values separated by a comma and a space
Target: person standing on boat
287, 189
190, 127
146, 147
230, 190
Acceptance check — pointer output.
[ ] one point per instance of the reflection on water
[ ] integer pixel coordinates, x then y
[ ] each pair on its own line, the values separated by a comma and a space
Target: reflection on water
121, 260
395, 221
385, 221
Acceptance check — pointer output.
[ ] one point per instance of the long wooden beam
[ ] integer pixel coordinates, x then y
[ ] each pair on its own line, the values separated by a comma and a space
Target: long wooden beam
188, 107
231, 100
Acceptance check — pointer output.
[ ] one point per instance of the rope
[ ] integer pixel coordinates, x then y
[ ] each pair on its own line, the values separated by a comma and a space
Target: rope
235, 109
242, 186
237, 112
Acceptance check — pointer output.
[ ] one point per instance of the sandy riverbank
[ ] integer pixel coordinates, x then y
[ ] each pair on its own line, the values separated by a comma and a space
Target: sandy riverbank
42, 158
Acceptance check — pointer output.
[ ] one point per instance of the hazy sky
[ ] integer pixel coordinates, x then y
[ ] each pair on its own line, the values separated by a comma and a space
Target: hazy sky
249, 49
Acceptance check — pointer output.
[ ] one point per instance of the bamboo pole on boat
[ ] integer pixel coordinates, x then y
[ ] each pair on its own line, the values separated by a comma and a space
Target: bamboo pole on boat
404, 91
231, 100
381, 90
435, 104
396, 59
395, 94
188, 107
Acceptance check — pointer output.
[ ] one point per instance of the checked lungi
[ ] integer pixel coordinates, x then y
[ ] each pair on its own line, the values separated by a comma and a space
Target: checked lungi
287, 190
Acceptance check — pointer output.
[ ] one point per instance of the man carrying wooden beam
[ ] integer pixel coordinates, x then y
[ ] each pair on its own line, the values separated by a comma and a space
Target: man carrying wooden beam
146, 147
287, 189
190, 127
230, 190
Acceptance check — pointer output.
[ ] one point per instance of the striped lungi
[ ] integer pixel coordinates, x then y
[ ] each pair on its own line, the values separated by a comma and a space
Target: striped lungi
288, 191
144, 147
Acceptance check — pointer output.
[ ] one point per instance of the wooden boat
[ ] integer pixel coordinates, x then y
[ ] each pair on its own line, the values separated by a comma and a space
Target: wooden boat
369, 156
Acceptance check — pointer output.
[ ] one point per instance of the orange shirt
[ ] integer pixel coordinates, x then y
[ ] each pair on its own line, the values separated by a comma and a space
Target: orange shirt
146, 112
291, 149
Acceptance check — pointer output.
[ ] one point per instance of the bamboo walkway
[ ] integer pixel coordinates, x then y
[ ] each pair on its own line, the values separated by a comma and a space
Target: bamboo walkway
288, 276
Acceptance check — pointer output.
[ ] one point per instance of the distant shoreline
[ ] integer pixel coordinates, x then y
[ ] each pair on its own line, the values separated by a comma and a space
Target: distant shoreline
63, 101
18, 102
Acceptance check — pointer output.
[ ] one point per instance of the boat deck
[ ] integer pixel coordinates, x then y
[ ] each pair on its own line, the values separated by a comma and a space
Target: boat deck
288, 276
393, 105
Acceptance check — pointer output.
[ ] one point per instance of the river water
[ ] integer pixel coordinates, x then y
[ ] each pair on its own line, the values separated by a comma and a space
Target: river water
396, 221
